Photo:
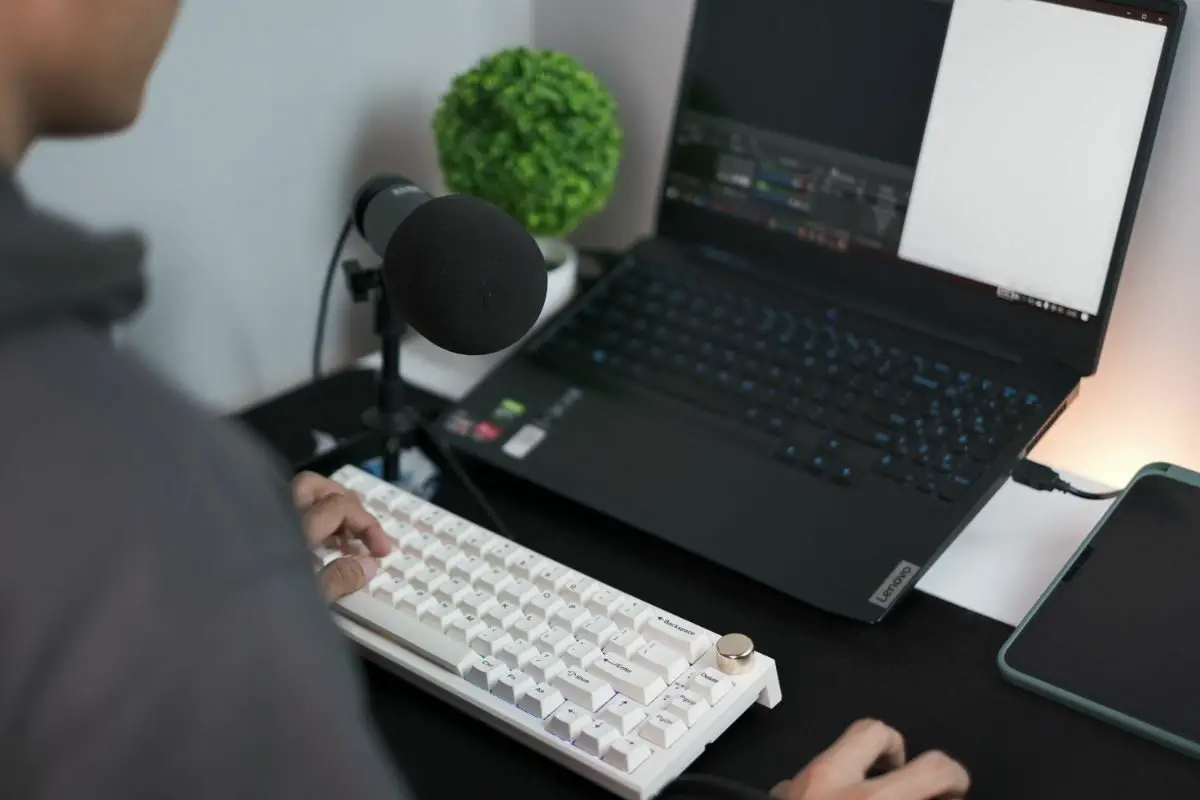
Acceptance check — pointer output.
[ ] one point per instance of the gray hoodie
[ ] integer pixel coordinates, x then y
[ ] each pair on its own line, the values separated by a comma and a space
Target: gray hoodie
161, 634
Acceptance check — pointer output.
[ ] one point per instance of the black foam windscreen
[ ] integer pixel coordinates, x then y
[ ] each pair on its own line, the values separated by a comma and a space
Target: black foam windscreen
465, 275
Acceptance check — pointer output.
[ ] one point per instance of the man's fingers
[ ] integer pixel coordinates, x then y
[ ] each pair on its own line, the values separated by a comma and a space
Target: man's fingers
930, 775
782, 791
865, 744
344, 576
309, 487
340, 513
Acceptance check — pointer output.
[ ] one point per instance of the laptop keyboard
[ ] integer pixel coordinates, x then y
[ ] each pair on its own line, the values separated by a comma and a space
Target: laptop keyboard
838, 403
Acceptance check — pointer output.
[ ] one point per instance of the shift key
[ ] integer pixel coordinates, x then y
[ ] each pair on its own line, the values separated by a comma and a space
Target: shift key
589, 691
628, 678
689, 639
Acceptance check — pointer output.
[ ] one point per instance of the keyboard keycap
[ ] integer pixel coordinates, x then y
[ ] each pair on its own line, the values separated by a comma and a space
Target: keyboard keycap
513, 686
408, 633
663, 728
581, 654
466, 628
625, 643
541, 701
678, 634
623, 714
568, 721
629, 679
627, 754
491, 642
518, 654
598, 631
661, 659
586, 691
597, 738
711, 684
689, 707
441, 616
545, 667
416, 603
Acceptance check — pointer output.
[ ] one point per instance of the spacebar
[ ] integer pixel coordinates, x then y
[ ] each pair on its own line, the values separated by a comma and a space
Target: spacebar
408, 633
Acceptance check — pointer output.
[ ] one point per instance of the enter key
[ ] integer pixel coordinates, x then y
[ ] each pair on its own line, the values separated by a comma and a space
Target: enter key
629, 679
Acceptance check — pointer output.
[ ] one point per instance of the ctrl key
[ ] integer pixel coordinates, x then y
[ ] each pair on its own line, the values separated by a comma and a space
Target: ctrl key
485, 672
627, 754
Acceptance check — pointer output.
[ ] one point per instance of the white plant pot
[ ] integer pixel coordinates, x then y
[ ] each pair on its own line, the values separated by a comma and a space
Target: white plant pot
561, 281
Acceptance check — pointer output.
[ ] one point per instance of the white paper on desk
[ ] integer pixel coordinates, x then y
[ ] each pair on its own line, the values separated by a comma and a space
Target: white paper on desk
1002, 563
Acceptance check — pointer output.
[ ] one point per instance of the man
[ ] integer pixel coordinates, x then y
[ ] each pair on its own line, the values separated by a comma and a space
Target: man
161, 632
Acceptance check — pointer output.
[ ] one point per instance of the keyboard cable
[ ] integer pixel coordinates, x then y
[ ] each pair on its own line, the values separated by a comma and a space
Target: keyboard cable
1041, 478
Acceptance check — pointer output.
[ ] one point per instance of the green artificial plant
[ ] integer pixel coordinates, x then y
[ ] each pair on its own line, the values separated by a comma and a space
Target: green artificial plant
534, 133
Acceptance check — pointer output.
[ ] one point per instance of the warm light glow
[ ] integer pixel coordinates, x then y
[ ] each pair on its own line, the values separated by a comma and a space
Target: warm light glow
1108, 435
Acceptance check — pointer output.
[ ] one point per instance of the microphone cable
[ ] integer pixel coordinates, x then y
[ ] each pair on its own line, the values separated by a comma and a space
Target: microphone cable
323, 312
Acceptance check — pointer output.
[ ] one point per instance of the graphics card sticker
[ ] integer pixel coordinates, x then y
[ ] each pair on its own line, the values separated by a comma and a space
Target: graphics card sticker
487, 432
459, 423
508, 411
524, 442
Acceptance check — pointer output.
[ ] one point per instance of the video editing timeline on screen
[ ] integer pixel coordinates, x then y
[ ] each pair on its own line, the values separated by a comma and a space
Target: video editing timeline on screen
819, 194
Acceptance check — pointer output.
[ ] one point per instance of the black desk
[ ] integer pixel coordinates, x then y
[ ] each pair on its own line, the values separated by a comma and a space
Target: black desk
929, 670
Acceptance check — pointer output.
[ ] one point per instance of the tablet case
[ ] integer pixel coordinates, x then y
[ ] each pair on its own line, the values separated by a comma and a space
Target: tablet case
1070, 699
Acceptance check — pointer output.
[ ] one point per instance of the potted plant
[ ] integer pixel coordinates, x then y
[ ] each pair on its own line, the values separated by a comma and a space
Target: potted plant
536, 134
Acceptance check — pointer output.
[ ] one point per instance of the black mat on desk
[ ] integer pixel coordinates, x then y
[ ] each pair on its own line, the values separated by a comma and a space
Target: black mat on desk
929, 670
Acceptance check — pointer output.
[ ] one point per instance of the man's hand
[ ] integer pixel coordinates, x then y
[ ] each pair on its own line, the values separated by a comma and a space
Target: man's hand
840, 773
334, 517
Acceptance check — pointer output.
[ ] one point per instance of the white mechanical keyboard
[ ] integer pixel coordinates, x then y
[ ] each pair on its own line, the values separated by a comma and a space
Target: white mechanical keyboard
625, 694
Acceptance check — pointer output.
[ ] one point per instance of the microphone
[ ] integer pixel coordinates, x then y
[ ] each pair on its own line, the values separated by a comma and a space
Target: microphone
464, 274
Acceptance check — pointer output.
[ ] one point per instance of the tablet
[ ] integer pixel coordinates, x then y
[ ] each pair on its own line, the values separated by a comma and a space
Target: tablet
1117, 634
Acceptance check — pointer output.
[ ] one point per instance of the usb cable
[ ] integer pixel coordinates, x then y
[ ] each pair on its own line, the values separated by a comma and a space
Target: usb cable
1041, 478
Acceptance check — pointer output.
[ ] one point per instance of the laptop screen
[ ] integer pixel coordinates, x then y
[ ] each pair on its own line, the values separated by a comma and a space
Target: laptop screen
975, 151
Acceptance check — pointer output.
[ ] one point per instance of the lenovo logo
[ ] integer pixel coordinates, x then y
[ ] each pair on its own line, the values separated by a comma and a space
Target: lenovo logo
890, 589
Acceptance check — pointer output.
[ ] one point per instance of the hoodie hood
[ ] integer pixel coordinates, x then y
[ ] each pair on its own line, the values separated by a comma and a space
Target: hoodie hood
50, 268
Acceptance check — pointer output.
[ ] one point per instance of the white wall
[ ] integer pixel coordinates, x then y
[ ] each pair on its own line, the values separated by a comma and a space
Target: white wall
262, 120
261, 124
1144, 404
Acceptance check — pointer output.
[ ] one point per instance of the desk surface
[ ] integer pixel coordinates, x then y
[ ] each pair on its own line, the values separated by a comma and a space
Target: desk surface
929, 669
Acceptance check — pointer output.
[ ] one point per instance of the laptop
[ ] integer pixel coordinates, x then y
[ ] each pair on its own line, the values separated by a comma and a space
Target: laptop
888, 239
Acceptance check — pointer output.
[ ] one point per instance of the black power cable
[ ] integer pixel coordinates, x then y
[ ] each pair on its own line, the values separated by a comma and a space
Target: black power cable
1041, 478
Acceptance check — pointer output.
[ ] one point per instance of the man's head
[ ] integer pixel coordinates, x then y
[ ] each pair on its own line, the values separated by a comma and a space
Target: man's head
75, 67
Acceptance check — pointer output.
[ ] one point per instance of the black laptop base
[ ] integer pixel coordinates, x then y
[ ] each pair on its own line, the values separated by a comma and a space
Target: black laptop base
824, 454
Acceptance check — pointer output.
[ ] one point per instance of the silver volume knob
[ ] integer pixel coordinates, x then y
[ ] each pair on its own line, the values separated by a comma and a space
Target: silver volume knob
735, 654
